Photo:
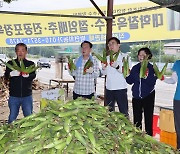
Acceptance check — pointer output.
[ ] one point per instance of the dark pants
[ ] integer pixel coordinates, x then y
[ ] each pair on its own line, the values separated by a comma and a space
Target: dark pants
121, 97
75, 96
147, 105
177, 121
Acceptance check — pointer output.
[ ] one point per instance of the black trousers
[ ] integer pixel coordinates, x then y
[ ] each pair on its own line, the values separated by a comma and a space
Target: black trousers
176, 110
145, 105
121, 97
75, 96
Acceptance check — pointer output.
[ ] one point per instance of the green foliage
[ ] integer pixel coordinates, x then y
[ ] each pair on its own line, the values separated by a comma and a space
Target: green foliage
98, 48
155, 47
124, 47
9, 52
169, 58
168, 72
42, 51
134, 50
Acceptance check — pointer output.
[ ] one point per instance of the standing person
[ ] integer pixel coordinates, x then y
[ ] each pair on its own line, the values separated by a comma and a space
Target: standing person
175, 78
85, 83
143, 92
20, 85
116, 86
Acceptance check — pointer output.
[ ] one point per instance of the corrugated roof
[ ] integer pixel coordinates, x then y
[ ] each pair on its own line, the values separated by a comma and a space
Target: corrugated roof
175, 3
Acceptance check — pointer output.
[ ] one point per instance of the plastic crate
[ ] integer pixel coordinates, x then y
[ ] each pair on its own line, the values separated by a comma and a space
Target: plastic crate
156, 129
168, 138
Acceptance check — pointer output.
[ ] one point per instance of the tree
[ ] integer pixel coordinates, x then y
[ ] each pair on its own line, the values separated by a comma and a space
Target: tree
47, 51
124, 47
157, 49
42, 51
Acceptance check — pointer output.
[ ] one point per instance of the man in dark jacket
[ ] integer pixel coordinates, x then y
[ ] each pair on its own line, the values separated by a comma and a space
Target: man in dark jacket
20, 85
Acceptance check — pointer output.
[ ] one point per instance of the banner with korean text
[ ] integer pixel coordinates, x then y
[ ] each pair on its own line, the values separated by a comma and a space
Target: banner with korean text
158, 24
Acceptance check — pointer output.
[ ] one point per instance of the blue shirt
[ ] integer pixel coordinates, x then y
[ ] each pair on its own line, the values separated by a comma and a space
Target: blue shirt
176, 68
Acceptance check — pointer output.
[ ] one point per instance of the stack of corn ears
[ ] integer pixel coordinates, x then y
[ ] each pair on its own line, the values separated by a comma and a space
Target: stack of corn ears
22, 68
77, 127
159, 74
125, 68
88, 64
144, 69
113, 57
71, 64
103, 58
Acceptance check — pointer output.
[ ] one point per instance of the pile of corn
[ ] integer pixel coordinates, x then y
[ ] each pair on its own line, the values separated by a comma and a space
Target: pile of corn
80, 126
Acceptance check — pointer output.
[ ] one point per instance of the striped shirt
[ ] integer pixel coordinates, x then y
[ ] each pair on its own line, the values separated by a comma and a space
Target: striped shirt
85, 84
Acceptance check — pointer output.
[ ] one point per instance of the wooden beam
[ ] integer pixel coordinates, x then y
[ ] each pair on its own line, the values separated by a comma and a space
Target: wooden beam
97, 8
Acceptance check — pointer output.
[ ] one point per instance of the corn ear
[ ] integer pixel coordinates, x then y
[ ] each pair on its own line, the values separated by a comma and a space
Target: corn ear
22, 65
88, 64
15, 65
98, 56
156, 70
111, 57
43, 103
104, 57
8, 65
125, 66
30, 69
116, 55
71, 65
143, 68
163, 71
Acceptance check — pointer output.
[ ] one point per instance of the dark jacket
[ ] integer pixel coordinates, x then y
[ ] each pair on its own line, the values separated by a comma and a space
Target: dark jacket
18, 85
141, 87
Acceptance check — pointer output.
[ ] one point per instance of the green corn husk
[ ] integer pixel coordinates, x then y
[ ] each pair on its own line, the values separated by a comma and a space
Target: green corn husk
88, 64
116, 55
22, 68
77, 126
113, 56
29, 69
158, 73
8, 65
163, 71
98, 56
156, 70
102, 58
143, 68
71, 65
16, 66
126, 66
22, 65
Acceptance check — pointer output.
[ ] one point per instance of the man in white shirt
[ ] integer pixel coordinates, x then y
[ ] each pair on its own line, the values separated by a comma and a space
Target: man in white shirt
116, 86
